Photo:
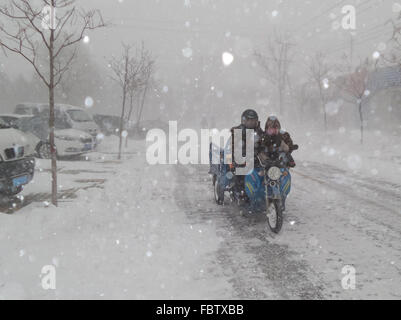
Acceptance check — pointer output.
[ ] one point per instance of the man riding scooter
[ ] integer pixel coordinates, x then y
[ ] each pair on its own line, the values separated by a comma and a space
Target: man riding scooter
249, 121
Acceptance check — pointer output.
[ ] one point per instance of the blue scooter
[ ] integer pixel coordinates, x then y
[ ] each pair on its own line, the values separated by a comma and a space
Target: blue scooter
265, 188
269, 187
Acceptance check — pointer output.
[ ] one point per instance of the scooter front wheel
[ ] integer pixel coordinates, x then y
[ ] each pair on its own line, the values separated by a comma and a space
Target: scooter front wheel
274, 213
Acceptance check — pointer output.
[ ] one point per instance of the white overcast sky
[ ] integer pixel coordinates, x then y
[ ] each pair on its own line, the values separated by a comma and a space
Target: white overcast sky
210, 27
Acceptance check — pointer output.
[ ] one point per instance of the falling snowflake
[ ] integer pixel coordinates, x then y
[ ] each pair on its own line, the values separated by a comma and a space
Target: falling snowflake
89, 102
187, 52
228, 58
376, 55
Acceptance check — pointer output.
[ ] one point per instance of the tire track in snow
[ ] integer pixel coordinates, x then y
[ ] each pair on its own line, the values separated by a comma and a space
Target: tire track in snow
389, 204
341, 224
257, 267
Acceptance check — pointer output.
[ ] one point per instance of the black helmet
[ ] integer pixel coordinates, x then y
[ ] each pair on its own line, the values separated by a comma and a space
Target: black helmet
250, 119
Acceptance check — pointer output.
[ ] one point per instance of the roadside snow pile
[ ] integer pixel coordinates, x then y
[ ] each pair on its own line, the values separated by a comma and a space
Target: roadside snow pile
128, 240
379, 156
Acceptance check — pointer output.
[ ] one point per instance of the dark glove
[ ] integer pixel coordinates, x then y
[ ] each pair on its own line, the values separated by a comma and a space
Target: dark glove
291, 161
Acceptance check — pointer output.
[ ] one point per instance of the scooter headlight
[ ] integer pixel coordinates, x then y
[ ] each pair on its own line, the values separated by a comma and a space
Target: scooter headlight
274, 173
230, 175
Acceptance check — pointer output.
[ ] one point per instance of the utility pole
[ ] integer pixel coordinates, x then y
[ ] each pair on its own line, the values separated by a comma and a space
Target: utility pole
283, 77
351, 52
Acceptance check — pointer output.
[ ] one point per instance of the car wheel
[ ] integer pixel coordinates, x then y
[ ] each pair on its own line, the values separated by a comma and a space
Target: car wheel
44, 151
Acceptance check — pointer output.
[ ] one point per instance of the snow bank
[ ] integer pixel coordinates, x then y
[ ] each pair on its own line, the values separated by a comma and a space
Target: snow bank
378, 157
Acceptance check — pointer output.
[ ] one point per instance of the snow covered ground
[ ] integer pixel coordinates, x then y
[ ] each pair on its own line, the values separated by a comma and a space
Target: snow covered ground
125, 229
378, 157
124, 238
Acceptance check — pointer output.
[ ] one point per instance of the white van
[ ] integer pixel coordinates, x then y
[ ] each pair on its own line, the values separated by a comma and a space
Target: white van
78, 118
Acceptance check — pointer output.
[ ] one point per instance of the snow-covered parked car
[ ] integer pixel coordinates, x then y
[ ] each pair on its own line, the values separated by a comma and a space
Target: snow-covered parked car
17, 165
35, 129
29, 108
108, 124
78, 118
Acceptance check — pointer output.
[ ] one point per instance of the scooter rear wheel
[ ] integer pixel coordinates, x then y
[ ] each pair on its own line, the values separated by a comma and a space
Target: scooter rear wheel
218, 191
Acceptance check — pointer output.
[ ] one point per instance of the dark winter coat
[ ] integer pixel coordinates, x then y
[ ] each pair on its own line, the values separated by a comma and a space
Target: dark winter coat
282, 140
258, 139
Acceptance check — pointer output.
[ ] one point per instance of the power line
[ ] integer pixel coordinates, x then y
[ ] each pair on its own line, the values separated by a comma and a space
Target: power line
365, 37
357, 43
336, 5
320, 15
199, 27
375, 30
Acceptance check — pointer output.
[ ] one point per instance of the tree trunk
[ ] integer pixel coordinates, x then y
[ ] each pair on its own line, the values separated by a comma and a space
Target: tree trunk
143, 102
281, 100
51, 119
131, 101
131, 108
125, 87
361, 120
323, 107
122, 125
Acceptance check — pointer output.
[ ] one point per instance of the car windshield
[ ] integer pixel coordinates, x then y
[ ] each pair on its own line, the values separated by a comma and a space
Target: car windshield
79, 116
39, 126
61, 123
25, 124
22, 110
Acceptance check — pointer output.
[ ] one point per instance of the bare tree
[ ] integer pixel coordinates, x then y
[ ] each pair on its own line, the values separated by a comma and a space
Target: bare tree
83, 79
141, 84
53, 25
394, 56
276, 63
356, 90
128, 73
148, 70
318, 70
302, 98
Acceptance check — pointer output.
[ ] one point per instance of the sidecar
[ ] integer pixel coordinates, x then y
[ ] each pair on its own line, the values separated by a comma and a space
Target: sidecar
221, 169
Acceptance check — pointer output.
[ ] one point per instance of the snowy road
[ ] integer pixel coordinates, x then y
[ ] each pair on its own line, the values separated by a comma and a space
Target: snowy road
125, 229
333, 219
